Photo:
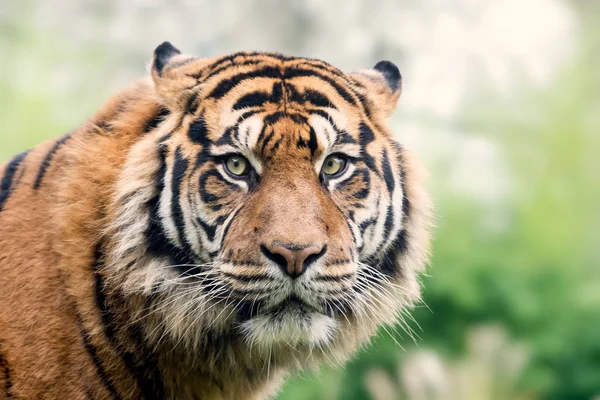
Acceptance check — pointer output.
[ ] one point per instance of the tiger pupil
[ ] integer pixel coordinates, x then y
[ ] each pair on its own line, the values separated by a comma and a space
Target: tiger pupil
236, 165
333, 165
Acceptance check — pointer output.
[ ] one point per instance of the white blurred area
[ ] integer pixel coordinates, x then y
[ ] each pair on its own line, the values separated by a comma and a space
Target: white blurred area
449, 51
489, 370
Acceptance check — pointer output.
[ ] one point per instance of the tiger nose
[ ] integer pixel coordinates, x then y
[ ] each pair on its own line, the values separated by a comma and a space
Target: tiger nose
294, 260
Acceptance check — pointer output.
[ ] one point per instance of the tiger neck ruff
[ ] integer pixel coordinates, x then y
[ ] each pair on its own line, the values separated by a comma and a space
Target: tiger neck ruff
208, 232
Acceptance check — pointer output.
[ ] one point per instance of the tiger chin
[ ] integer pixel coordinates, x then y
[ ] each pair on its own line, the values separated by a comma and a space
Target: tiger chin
213, 229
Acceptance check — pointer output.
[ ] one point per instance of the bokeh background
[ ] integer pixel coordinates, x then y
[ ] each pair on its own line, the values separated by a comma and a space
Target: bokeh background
501, 102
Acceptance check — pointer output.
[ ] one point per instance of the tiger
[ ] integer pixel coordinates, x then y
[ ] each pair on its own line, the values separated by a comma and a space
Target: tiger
215, 228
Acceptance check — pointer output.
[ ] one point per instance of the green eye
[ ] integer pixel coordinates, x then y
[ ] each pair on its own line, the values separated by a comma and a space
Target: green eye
334, 165
237, 165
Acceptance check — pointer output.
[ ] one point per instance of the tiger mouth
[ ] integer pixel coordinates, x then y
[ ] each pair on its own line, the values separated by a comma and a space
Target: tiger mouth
290, 322
291, 305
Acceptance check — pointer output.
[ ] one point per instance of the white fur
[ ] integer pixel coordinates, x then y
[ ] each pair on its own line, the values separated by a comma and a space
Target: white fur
314, 330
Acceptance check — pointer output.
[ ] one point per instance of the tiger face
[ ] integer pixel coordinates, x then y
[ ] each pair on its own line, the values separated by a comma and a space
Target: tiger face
277, 207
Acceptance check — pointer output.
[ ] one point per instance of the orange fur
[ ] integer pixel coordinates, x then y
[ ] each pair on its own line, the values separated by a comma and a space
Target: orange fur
74, 298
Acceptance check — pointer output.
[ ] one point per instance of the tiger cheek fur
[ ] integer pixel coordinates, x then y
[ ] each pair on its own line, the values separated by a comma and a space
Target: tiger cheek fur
198, 239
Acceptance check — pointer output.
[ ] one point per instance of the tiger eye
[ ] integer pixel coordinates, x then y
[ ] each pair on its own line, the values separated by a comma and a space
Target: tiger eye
237, 165
333, 165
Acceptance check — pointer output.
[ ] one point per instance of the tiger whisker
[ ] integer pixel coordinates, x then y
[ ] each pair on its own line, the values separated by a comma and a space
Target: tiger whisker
405, 327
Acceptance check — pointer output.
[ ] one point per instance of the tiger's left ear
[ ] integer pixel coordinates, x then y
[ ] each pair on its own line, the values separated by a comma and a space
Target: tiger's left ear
173, 75
383, 84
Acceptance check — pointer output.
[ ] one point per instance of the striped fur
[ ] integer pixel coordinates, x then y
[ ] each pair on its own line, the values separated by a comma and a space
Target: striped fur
134, 265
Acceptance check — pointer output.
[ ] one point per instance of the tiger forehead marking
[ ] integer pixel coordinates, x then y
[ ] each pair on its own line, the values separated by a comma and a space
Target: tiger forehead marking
218, 226
275, 89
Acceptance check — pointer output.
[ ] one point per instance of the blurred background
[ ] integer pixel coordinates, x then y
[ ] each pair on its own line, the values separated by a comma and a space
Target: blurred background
501, 102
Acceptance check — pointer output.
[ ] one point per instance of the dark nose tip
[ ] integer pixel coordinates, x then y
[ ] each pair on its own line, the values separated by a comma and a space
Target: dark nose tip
293, 260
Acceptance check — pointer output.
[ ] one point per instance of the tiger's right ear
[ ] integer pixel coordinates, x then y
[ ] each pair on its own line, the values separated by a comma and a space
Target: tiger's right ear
173, 74
162, 55
384, 86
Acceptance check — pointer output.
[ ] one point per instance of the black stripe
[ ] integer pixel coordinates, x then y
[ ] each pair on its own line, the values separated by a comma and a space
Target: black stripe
216, 71
254, 99
206, 196
5, 370
48, 159
387, 227
192, 103
323, 114
266, 141
341, 91
325, 67
362, 227
339, 261
366, 136
388, 174
276, 145
242, 263
218, 66
405, 201
156, 239
248, 277
342, 137
334, 278
402, 171
279, 115
313, 143
198, 132
227, 137
240, 292
141, 363
354, 180
226, 85
91, 350
389, 262
226, 229
273, 118
210, 230
277, 95
156, 119
322, 68
6, 185
365, 102
248, 57
317, 99
180, 167
254, 58
293, 95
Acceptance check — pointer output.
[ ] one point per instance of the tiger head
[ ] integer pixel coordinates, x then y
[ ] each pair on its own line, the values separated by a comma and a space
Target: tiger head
272, 205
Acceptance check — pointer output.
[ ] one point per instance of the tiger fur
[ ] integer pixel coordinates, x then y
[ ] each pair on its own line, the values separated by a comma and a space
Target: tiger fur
135, 264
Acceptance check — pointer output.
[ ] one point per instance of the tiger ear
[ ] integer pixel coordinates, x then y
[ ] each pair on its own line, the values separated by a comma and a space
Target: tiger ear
173, 75
383, 85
